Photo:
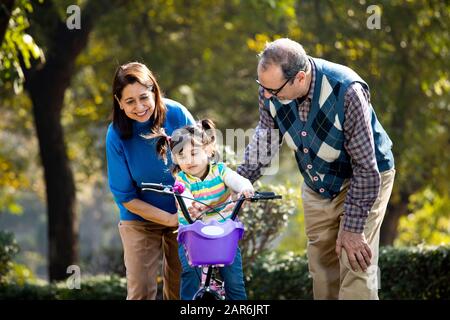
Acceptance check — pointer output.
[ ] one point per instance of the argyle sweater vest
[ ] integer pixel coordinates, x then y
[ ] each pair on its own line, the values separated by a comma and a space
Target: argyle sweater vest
318, 143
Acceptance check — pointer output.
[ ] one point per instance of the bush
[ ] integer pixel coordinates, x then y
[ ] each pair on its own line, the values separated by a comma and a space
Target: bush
265, 220
279, 277
100, 287
415, 273
8, 249
14, 291
17, 282
406, 273
104, 260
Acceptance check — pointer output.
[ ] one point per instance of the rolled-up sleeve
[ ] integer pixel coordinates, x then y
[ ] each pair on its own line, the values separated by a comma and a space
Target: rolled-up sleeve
359, 143
120, 181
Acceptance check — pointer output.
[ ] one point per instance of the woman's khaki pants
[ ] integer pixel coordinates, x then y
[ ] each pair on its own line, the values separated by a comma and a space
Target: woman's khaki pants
144, 242
333, 278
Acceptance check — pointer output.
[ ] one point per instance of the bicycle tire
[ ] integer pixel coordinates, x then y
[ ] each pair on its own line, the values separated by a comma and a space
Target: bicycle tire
207, 295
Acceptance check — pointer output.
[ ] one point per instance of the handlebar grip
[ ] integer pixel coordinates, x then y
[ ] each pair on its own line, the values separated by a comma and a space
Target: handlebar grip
266, 195
154, 186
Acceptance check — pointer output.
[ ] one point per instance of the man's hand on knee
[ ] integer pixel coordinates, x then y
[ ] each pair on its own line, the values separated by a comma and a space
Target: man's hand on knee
356, 247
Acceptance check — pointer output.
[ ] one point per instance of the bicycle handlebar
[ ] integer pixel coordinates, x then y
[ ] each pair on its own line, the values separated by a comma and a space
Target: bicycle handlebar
178, 189
260, 195
153, 186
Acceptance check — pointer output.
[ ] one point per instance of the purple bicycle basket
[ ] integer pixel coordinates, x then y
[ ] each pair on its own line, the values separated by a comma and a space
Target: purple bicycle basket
211, 243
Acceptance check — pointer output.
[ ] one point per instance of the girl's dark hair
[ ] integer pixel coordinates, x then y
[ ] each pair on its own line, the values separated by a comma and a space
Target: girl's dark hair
131, 73
202, 133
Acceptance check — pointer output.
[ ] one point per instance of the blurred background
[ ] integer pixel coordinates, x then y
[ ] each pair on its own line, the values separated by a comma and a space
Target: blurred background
57, 61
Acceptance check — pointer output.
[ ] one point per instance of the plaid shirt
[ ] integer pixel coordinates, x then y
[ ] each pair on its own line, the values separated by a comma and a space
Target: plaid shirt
359, 144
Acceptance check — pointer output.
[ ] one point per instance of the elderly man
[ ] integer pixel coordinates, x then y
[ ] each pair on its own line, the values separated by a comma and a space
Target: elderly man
323, 112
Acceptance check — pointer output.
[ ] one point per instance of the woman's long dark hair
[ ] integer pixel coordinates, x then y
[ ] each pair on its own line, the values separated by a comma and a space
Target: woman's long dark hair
202, 133
130, 73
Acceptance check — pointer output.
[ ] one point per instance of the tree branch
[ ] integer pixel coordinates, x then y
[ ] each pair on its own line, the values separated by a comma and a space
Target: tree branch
63, 45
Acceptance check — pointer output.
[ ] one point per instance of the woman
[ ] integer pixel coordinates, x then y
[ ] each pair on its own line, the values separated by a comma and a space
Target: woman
147, 220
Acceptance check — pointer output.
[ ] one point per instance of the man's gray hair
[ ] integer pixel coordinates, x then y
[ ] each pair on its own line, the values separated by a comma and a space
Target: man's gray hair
287, 54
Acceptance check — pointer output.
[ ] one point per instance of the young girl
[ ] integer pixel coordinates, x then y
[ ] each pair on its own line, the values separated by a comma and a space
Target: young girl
193, 150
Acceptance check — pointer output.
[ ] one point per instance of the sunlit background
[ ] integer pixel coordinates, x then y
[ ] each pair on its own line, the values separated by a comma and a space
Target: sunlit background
56, 103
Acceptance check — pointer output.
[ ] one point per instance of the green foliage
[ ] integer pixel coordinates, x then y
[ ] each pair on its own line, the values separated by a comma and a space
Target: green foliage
14, 160
95, 288
429, 221
17, 44
294, 238
27, 292
15, 124
406, 273
279, 276
20, 274
415, 273
11, 272
100, 287
203, 54
265, 220
8, 249
17, 282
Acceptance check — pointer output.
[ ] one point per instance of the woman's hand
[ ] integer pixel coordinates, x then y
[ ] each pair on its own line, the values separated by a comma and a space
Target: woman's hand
151, 213
172, 220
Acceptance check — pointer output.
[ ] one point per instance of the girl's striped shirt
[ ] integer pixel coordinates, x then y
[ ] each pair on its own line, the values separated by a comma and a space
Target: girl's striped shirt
214, 190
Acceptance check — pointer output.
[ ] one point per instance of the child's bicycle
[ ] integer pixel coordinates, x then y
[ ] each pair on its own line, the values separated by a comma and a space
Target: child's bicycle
209, 245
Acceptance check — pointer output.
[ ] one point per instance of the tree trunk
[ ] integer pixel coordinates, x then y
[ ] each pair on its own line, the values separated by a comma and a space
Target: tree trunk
389, 231
47, 94
5, 13
46, 85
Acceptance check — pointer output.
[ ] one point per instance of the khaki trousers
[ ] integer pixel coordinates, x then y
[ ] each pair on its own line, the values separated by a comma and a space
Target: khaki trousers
333, 278
144, 242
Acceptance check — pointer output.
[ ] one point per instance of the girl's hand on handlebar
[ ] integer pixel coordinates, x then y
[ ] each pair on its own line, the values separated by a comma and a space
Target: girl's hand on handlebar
196, 210
229, 207
246, 193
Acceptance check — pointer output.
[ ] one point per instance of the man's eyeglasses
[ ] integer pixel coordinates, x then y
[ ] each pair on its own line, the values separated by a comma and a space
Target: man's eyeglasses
274, 92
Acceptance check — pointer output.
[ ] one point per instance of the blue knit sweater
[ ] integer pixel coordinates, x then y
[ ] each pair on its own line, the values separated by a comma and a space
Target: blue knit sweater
133, 161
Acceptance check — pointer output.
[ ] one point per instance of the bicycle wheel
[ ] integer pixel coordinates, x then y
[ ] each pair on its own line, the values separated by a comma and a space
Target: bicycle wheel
207, 295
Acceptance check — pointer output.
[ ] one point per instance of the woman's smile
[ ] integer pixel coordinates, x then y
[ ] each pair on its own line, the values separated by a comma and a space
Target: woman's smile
143, 113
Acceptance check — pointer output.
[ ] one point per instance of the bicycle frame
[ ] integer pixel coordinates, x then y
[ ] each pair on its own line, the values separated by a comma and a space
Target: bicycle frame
207, 291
